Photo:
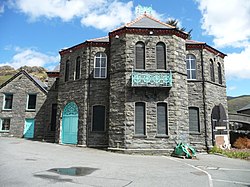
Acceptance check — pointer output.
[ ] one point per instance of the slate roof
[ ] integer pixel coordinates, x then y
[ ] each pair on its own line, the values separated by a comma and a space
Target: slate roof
146, 21
247, 107
194, 42
102, 39
37, 82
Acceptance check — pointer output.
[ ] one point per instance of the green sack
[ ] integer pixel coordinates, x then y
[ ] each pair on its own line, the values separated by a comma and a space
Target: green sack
184, 150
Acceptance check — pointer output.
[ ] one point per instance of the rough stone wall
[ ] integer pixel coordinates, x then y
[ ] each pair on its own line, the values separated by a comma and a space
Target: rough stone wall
85, 92
215, 94
122, 123
20, 87
43, 131
118, 56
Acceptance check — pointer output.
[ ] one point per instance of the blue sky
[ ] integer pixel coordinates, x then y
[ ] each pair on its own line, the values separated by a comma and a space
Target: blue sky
33, 31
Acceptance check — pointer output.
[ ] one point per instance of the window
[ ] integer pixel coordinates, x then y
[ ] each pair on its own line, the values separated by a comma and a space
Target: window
140, 55
5, 124
212, 70
53, 117
100, 66
98, 118
219, 73
194, 121
191, 66
78, 68
67, 71
140, 118
160, 56
162, 119
7, 103
31, 104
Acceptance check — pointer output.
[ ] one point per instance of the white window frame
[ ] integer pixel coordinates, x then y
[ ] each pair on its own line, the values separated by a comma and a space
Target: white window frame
189, 68
1, 125
27, 103
100, 68
4, 102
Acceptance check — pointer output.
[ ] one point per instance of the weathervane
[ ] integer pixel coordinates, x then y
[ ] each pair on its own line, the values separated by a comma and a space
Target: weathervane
143, 10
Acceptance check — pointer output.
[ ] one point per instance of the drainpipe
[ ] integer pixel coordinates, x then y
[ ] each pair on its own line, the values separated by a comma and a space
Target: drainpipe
88, 95
204, 98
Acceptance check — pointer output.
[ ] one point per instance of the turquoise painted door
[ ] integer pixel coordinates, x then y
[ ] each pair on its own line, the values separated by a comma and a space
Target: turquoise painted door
70, 124
29, 128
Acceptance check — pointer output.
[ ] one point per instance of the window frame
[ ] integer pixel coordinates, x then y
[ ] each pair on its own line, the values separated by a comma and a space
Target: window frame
189, 68
66, 71
100, 67
92, 118
219, 72
27, 104
77, 70
167, 121
198, 120
1, 124
165, 56
145, 120
144, 56
4, 101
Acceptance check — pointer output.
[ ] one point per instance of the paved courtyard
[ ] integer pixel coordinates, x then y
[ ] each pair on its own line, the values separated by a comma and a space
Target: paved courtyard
30, 163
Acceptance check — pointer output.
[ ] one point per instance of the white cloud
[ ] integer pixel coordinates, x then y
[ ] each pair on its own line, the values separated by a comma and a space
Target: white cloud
1, 8
237, 65
107, 18
31, 57
227, 20
232, 88
100, 14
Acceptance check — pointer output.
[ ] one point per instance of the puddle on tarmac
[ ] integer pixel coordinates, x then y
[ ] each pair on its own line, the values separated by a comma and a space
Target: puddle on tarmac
74, 171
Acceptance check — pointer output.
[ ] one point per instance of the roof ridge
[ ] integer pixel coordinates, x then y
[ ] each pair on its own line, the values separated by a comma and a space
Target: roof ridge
97, 38
157, 20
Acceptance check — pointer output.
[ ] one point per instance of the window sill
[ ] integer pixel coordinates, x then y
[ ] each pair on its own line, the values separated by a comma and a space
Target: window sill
30, 110
162, 136
139, 136
194, 133
7, 110
4, 131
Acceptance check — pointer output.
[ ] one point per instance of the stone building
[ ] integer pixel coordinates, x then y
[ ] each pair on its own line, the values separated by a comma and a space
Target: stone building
26, 107
144, 87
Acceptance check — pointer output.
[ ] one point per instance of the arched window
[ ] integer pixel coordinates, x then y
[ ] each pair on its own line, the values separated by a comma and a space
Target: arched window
66, 78
160, 55
194, 119
191, 67
212, 70
140, 55
140, 118
78, 68
100, 65
162, 119
219, 73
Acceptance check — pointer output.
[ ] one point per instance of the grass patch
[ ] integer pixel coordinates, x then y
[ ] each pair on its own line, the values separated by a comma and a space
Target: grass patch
233, 153
4, 78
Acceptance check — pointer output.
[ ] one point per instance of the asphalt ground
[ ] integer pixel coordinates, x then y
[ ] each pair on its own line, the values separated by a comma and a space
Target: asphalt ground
30, 163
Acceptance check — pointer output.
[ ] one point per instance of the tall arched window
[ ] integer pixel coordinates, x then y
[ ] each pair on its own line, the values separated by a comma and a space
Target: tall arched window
191, 66
219, 73
98, 118
162, 119
212, 70
66, 78
140, 55
100, 65
78, 68
161, 56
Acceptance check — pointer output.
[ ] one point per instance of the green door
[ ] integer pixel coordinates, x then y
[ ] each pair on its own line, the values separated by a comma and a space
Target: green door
29, 128
70, 124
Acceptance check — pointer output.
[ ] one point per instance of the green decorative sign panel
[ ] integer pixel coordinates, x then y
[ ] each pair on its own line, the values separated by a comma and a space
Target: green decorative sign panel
151, 79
